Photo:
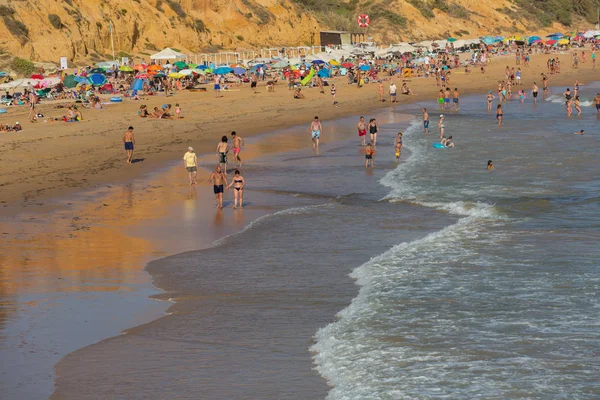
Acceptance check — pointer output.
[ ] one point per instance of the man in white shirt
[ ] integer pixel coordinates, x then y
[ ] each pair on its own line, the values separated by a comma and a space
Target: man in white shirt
393, 92
191, 164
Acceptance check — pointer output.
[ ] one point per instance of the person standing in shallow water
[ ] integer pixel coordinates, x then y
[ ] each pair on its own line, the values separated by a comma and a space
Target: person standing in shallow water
499, 114
190, 161
219, 181
425, 121
222, 150
315, 131
362, 130
238, 184
238, 143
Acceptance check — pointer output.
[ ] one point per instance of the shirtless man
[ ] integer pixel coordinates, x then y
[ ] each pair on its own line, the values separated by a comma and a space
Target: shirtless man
219, 181
238, 143
447, 99
315, 131
129, 141
455, 99
380, 90
597, 101
534, 92
222, 150
545, 84
425, 121
362, 130
217, 85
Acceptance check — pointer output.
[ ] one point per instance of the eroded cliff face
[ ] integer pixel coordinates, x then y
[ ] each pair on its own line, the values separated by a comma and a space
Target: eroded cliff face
44, 30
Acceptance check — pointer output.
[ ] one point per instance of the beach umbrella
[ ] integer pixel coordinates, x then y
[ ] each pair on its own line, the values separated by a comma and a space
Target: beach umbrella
222, 70
139, 67
125, 68
69, 81
81, 79
563, 41
175, 75
334, 63
558, 34
137, 84
498, 38
451, 39
551, 42
141, 76
159, 75
180, 64
488, 40
364, 68
155, 67
259, 66
239, 70
106, 64
318, 62
186, 72
324, 73
519, 42
192, 66
97, 71
97, 79
347, 65
202, 67
280, 64
37, 76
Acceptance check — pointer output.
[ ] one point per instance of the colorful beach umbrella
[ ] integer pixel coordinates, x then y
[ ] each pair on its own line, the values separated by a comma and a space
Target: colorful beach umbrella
451, 39
175, 75
347, 65
97, 79
37, 76
551, 42
97, 71
125, 68
280, 64
239, 70
154, 67
223, 70
334, 63
563, 41
139, 67
318, 62
186, 72
364, 68
180, 64
202, 67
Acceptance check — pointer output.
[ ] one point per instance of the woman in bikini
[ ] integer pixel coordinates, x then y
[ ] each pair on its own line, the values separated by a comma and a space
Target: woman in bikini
499, 114
238, 184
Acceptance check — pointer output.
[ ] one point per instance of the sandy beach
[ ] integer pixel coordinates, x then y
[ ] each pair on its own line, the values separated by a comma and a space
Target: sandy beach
77, 218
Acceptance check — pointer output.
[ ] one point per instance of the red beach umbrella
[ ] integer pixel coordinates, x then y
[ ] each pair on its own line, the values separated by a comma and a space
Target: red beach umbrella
551, 42
347, 65
37, 76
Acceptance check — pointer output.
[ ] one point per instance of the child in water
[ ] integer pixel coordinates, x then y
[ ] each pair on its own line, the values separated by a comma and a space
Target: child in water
490, 166
369, 152
399, 145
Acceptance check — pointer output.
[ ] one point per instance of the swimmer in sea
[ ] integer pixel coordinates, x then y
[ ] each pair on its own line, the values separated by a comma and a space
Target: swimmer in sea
490, 166
399, 145
238, 184
448, 142
499, 114
581, 132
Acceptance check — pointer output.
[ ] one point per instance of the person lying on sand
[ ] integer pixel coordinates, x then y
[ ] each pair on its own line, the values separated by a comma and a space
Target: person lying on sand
143, 111
156, 114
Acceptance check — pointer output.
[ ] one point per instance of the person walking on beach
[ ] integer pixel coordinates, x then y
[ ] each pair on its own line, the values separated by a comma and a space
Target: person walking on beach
441, 126
315, 131
380, 91
362, 130
447, 99
499, 114
219, 180
393, 92
238, 143
534, 92
373, 131
369, 153
217, 85
238, 184
129, 141
425, 121
222, 150
190, 162
333, 94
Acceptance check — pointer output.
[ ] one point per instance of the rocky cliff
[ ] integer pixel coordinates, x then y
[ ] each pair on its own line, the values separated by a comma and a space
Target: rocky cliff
44, 30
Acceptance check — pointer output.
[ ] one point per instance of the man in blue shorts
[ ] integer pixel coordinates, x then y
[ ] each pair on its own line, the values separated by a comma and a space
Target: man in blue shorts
217, 86
129, 141
425, 120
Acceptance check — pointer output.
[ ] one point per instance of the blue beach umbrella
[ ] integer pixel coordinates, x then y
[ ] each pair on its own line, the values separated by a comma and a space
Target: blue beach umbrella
97, 79
324, 73
259, 66
488, 40
318, 62
222, 71
202, 67
81, 79
138, 84
239, 70
364, 68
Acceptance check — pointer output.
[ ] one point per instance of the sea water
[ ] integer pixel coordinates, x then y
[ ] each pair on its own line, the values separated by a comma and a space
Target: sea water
504, 303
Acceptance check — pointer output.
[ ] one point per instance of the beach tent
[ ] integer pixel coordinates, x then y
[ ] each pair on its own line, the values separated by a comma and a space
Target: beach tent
137, 84
167, 54
324, 73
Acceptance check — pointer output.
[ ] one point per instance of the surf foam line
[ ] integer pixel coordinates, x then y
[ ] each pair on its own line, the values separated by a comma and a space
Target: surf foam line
337, 349
262, 219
